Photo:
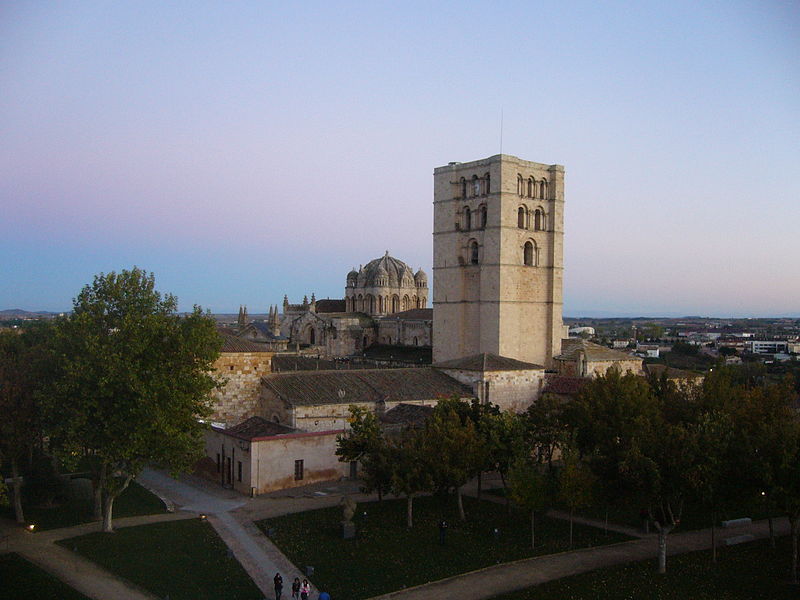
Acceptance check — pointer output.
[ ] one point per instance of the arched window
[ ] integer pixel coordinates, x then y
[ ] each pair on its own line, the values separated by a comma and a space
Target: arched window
538, 220
395, 304
473, 253
527, 254
371, 303
483, 216
476, 186
488, 188
531, 187
521, 217
463, 188
364, 342
467, 218
415, 302
380, 304
519, 185
543, 189
388, 339
312, 337
416, 341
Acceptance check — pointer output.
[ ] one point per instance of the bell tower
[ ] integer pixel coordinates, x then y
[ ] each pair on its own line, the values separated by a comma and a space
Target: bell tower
498, 259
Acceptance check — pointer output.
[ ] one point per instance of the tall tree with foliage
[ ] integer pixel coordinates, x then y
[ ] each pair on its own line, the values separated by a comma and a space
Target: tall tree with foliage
576, 485
454, 451
23, 368
411, 474
530, 488
365, 443
503, 441
134, 380
545, 429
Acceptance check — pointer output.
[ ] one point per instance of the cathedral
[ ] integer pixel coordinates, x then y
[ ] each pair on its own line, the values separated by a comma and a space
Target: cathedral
385, 303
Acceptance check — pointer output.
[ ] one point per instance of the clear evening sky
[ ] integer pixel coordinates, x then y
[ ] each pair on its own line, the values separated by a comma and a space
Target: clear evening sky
241, 151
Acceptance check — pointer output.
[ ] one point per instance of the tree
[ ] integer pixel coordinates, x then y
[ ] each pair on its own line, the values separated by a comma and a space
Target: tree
530, 488
503, 441
410, 472
365, 443
545, 429
576, 485
133, 381
22, 360
453, 450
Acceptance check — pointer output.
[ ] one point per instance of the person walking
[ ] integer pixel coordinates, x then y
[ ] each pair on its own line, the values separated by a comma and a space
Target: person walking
305, 590
296, 589
278, 586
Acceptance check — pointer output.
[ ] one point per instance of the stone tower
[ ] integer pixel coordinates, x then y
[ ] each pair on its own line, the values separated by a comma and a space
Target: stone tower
498, 260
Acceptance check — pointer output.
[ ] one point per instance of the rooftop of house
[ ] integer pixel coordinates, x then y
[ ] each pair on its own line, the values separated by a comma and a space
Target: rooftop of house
571, 348
414, 415
231, 343
487, 362
368, 385
255, 427
564, 385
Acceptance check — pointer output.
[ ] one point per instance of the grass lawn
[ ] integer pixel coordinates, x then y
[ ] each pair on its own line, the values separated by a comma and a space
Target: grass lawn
385, 556
134, 501
20, 578
744, 572
183, 559
693, 517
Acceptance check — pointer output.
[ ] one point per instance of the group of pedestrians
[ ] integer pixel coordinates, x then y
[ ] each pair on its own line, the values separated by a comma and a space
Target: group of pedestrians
300, 591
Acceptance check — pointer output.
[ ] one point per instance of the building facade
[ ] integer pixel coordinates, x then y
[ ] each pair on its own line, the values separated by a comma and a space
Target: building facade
498, 259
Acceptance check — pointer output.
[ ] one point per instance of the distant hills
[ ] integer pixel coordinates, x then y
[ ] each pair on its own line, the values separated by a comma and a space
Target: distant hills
18, 313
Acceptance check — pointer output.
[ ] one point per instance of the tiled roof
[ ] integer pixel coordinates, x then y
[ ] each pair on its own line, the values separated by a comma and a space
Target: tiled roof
658, 370
291, 362
570, 349
406, 354
255, 427
330, 306
562, 384
407, 414
487, 362
231, 343
368, 385
414, 313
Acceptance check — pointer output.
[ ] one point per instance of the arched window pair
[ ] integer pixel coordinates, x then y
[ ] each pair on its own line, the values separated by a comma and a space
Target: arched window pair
523, 219
530, 254
480, 215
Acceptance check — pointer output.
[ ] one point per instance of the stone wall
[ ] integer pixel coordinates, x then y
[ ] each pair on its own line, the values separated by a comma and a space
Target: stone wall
512, 391
238, 399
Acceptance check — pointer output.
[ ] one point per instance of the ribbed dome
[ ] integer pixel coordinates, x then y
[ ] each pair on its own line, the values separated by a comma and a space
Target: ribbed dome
420, 276
384, 266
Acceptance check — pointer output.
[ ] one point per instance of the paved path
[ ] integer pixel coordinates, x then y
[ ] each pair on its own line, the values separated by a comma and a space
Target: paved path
509, 577
256, 553
84, 575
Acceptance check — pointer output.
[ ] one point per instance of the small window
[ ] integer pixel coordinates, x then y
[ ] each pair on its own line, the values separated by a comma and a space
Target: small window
473, 253
476, 186
463, 188
529, 254
483, 216
467, 218
531, 187
487, 189
298, 470
219, 463
239, 470
231, 368
521, 218
538, 220
416, 341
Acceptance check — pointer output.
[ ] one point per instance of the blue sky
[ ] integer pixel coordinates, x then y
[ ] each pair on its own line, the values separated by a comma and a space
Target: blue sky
242, 151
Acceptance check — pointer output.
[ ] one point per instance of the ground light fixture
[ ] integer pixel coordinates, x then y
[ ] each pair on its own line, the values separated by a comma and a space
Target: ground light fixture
203, 517
30, 527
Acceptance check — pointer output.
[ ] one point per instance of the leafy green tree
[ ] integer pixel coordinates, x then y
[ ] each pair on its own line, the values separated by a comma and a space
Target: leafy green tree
576, 485
22, 367
530, 488
365, 443
503, 442
454, 452
545, 428
411, 474
133, 381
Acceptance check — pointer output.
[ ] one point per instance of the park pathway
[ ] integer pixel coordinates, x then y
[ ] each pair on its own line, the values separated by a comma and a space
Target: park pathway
509, 577
82, 574
254, 551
